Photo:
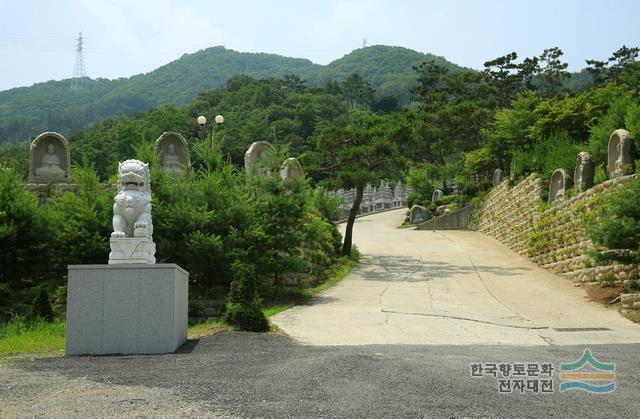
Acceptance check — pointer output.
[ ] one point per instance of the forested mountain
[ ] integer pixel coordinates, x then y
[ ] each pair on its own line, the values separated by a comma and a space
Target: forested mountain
53, 106
388, 69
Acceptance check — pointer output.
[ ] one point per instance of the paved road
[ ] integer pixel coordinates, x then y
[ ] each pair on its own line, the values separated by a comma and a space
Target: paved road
449, 288
250, 375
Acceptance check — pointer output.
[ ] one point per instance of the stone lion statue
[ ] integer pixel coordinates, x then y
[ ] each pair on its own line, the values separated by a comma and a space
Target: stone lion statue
132, 204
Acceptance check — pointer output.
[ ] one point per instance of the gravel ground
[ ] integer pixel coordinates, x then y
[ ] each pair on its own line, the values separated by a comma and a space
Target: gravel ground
238, 374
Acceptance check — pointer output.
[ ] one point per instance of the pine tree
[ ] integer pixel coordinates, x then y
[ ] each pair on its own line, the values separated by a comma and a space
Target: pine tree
42, 306
243, 308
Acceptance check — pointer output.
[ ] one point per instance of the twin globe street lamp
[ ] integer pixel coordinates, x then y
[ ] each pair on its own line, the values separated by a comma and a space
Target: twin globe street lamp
202, 121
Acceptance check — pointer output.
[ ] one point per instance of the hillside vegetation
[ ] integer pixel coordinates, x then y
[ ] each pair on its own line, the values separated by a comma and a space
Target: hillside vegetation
53, 106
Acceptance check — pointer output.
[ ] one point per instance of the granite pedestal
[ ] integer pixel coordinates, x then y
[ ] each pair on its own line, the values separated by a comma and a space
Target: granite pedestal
126, 309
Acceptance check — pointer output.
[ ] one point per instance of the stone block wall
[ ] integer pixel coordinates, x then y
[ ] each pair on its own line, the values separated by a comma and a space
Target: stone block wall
554, 238
509, 214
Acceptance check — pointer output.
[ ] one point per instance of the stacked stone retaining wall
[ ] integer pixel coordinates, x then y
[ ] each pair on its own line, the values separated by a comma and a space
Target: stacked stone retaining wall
555, 238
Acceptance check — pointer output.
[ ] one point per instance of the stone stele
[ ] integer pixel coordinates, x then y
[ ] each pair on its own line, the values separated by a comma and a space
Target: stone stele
291, 169
437, 194
497, 177
621, 159
172, 151
418, 214
49, 159
131, 240
558, 185
254, 158
584, 172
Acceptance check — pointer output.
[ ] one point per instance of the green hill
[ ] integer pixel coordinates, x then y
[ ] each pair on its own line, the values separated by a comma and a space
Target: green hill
53, 106
388, 69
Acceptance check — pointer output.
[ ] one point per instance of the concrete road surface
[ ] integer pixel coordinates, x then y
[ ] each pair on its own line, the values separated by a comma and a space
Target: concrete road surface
449, 288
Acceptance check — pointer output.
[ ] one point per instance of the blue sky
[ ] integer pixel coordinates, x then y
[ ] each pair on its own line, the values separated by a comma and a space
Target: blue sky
127, 37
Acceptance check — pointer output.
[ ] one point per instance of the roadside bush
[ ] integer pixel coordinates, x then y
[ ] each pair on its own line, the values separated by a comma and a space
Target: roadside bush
617, 226
557, 151
243, 309
79, 222
614, 118
416, 199
41, 307
23, 234
329, 207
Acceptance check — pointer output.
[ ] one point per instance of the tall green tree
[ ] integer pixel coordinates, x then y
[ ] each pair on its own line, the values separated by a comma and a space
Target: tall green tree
552, 71
528, 68
24, 234
294, 83
357, 92
350, 156
613, 68
503, 75
427, 91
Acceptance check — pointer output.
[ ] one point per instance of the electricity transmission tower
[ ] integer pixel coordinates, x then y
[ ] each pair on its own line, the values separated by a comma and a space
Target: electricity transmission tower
79, 80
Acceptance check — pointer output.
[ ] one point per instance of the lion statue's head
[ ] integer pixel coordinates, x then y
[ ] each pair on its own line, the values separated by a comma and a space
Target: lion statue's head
134, 174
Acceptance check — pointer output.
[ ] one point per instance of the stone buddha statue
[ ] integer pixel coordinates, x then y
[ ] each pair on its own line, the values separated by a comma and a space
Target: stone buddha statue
50, 163
171, 161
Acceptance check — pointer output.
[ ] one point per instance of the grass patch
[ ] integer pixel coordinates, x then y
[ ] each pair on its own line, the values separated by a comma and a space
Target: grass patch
407, 225
32, 338
22, 339
335, 274
278, 299
201, 330
272, 310
633, 315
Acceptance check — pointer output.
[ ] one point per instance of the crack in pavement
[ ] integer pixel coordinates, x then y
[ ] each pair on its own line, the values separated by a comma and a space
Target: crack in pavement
420, 265
399, 275
462, 326
513, 326
546, 340
475, 268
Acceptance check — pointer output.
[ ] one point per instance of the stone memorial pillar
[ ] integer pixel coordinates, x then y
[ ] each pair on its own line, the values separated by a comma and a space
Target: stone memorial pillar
558, 185
621, 154
172, 151
584, 172
418, 214
291, 169
49, 159
254, 158
497, 177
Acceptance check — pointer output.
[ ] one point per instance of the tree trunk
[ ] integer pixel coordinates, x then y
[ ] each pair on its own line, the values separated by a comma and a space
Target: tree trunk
348, 234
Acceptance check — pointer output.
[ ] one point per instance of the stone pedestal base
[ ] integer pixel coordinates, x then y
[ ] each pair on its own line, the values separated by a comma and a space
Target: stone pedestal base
126, 309
132, 250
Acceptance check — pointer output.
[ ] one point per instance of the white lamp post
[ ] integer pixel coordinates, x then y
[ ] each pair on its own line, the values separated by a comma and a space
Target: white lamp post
202, 121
